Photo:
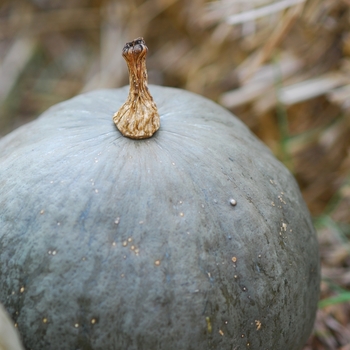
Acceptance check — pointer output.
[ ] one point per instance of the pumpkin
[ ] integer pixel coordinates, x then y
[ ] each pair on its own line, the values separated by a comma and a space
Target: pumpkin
194, 238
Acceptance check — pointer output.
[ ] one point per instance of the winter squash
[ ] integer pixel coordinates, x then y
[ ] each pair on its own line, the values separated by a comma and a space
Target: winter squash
194, 238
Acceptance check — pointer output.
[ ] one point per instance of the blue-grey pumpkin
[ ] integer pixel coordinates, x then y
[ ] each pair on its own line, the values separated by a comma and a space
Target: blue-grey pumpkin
195, 238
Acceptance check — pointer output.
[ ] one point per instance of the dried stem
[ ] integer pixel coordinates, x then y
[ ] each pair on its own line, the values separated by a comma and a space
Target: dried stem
138, 117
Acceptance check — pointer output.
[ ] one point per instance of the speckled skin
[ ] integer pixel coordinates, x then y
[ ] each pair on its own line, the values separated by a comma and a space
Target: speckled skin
113, 243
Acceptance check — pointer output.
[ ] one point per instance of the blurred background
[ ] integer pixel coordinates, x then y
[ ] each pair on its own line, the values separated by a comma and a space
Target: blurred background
282, 66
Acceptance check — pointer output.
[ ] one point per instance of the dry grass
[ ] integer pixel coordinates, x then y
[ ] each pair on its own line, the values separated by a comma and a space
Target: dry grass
282, 66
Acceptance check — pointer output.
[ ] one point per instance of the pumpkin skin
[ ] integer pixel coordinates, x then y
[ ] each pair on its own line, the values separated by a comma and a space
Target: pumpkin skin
113, 243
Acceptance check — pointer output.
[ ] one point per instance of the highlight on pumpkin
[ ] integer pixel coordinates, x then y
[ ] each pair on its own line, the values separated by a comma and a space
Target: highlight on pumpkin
138, 117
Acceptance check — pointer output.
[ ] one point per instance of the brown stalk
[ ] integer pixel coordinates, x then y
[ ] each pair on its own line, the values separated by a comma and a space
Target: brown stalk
138, 117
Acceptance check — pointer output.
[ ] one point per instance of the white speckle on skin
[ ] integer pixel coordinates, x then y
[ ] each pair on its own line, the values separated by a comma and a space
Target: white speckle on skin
233, 202
281, 199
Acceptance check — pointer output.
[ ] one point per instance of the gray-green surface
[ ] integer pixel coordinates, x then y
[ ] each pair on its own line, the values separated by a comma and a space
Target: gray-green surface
112, 243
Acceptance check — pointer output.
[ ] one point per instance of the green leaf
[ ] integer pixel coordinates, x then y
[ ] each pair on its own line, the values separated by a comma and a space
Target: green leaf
338, 299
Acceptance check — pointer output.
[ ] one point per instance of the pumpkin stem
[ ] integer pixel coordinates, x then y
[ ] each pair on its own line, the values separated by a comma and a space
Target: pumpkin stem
138, 117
